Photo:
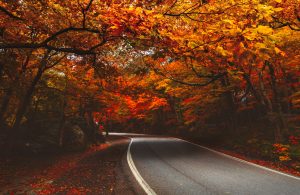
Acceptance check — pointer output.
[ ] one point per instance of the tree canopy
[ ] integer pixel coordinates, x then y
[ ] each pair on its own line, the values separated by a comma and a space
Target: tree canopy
139, 65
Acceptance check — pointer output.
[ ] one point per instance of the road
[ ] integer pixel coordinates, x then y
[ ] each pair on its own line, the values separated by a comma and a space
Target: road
172, 166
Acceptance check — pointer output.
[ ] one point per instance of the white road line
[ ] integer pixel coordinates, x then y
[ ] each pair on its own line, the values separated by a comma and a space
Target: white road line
137, 175
240, 160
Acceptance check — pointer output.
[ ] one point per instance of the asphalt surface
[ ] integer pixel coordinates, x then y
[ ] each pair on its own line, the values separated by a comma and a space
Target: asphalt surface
172, 166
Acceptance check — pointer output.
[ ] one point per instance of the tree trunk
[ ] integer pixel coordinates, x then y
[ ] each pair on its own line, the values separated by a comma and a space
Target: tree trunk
280, 122
1, 71
4, 106
61, 131
27, 98
7, 96
288, 90
62, 123
63, 116
255, 93
90, 131
231, 107
263, 93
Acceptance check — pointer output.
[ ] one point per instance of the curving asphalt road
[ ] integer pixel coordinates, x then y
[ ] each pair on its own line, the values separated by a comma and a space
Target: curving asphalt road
173, 166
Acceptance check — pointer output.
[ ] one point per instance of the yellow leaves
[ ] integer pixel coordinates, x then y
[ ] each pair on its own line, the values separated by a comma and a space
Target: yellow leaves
57, 79
250, 36
265, 49
228, 21
278, 1
222, 51
258, 33
158, 16
113, 27
265, 12
192, 44
163, 84
264, 30
235, 31
57, 6
131, 8
284, 158
278, 51
260, 46
138, 10
278, 9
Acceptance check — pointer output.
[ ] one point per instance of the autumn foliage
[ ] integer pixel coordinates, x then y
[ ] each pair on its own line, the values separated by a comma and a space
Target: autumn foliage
214, 69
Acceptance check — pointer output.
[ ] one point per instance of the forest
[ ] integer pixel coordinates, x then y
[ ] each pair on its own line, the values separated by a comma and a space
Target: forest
221, 72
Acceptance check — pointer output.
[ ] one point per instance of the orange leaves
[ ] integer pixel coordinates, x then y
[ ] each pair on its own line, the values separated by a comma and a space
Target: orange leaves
294, 140
283, 151
157, 103
279, 51
125, 20
131, 101
191, 43
284, 158
144, 104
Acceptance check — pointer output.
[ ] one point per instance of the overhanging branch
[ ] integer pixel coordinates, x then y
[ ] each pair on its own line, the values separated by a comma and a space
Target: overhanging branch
5, 11
211, 80
45, 44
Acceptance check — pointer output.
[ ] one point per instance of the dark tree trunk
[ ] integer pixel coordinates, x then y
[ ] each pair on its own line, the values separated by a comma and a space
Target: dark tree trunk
61, 130
230, 107
279, 120
262, 107
1, 71
9, 92
4, 106
27, 98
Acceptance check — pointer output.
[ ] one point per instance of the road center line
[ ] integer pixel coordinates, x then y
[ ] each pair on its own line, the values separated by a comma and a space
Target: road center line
148, 190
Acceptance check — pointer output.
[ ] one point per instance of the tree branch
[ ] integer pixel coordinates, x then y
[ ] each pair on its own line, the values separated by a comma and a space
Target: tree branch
280, 24
44, 44
5, 11
213, 79
55, 63
69, 29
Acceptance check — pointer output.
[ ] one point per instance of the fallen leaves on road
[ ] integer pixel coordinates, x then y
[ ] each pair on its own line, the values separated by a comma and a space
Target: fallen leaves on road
89, 172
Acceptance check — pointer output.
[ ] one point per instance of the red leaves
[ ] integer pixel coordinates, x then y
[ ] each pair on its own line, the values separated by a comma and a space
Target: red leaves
294, 140
143, 104
74, 191
45, 180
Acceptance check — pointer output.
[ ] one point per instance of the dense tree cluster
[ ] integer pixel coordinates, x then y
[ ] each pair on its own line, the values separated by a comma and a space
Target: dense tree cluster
174, 66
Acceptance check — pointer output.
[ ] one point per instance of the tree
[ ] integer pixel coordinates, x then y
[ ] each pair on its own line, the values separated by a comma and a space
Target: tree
192, 62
